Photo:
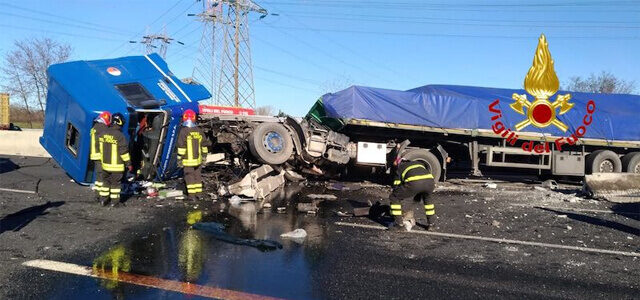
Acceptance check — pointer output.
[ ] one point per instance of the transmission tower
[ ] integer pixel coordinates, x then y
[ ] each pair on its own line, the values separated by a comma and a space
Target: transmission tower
224, 65
156, 43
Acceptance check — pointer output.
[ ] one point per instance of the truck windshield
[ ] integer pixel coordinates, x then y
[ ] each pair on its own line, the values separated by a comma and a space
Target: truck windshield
134, 93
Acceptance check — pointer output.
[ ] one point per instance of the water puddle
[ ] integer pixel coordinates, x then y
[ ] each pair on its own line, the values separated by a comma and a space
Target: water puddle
181, 253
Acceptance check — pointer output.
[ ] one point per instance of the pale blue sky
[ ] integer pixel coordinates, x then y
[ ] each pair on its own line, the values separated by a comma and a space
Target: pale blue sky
317, 45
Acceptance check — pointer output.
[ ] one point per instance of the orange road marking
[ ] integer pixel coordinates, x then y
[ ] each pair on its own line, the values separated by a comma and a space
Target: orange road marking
144, 280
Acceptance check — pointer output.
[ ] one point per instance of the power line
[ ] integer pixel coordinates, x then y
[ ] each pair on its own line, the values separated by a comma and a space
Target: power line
57, 32
324, 52
382, 20
491, 5
285, 84
490, 20
454, 35
448, 7
294, 77
101, 26
141, 32
63, 23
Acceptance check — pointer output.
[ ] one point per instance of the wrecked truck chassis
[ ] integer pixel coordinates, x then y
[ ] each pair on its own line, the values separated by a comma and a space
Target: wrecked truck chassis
305, 144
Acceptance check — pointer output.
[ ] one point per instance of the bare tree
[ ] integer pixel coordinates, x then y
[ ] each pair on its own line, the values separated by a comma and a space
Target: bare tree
25, 69
604, 82
267, 110
338, 83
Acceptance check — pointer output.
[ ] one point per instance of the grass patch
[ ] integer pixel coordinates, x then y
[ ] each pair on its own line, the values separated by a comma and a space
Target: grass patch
36, 125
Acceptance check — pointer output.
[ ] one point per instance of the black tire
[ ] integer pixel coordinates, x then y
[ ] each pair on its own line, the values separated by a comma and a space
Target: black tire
631, 162
603, 161
429, 160
271, 143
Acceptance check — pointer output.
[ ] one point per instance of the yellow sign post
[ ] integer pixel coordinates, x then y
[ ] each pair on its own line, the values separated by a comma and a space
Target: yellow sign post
4, 110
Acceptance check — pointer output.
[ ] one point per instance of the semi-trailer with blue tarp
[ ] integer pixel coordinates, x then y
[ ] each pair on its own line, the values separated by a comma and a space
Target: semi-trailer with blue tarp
142, 88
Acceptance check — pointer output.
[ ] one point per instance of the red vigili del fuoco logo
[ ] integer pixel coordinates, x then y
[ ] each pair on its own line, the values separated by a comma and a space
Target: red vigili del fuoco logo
542, 83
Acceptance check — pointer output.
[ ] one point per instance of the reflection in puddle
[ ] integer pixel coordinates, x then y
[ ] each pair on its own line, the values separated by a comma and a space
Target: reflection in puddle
179, 252
110, 263
191, 255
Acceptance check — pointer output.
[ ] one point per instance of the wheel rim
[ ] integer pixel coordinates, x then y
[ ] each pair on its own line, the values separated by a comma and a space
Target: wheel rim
273, 142
606, 166
637, 169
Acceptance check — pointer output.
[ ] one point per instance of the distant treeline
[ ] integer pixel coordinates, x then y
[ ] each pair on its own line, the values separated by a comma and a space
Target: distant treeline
29, 119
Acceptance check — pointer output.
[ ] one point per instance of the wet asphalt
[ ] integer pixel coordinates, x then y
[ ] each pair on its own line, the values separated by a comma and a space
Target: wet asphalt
333, 262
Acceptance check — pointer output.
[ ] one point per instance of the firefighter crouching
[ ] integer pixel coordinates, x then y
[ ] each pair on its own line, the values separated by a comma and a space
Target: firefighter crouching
412, 184
192, 150
100, 126
115, 159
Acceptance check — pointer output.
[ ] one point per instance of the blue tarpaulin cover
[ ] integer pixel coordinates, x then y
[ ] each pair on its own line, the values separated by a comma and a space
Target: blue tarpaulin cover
616, 117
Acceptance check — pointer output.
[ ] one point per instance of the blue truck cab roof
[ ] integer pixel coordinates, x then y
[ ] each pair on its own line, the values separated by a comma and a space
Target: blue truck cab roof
80, 90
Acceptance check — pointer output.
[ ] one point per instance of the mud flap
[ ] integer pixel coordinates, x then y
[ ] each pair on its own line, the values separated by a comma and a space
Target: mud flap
614, 187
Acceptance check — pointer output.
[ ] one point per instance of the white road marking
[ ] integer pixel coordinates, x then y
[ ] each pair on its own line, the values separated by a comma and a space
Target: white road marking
604, 211
17, 191
499, 240
143, 280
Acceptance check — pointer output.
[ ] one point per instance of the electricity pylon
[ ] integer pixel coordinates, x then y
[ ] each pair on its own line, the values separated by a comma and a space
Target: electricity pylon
224, 65
156, 43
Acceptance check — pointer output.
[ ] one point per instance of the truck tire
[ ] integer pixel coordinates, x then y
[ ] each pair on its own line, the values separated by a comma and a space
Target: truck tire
271, 143
603, 161
631, 163
429, 160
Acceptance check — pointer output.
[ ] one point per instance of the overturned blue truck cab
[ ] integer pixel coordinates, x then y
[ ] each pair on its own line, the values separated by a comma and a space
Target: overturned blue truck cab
142, 88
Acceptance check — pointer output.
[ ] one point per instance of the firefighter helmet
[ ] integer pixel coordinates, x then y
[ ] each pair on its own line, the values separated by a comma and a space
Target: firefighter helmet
104, 118
189, 115
118, 119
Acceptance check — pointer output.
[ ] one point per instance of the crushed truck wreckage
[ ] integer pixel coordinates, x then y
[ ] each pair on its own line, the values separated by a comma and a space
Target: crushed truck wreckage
346, 133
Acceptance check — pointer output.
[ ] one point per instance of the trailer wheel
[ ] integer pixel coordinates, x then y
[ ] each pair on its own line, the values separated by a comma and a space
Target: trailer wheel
631, 163
429, 160
603, 161
271, 143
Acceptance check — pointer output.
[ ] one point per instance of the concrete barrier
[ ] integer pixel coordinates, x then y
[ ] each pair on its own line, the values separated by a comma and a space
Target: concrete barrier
24, 143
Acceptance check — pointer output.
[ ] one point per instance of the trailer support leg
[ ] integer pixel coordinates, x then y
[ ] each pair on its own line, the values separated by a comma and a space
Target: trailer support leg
475, 158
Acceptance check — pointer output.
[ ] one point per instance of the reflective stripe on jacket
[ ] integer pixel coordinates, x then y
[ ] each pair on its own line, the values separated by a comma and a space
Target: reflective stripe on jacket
411, 171
114, 150
192, 146
96, 131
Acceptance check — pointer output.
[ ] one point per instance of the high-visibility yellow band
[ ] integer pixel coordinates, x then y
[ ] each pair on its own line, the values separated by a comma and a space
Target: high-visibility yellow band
429, 206
95, 156
182, 151
115, 190
419, 177
205, 150
430, 212
113, 167
114, 196
195, 185
103, 193
125, 157
396, 206
404, 173
396, 212
397, 182
197, 190
98, 183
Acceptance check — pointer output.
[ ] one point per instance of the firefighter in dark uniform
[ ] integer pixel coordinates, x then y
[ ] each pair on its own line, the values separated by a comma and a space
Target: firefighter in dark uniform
192, 150
412, 183
115, 159
100, 126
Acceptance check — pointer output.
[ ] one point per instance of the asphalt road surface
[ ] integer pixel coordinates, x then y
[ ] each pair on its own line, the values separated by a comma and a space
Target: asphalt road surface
515, 241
